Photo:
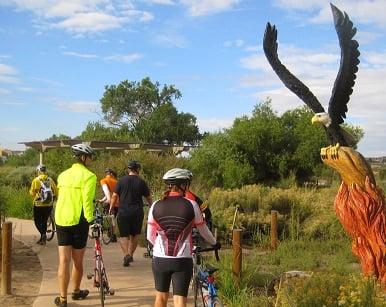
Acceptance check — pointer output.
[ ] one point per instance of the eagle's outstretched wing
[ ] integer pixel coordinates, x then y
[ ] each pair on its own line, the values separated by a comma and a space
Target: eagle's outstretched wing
289, 80
349, 61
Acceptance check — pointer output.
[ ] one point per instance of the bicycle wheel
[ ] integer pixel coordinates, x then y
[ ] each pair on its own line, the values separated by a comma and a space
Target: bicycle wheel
101, 283
197, 293
216, 302
50, 228
107, 230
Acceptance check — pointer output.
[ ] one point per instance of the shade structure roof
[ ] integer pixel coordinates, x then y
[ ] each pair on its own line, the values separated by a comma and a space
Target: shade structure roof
42, 146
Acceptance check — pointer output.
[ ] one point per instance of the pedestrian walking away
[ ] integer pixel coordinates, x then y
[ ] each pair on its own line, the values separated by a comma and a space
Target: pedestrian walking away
43, 191
73, 215
129, 192
108, 184
170, 224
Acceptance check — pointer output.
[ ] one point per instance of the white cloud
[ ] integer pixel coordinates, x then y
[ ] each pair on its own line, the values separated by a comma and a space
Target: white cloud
89, 22
80, 55
7, 70
4, 91
128, 58
172, 40
81, 16
213, 124
238, 43
164, 2
79, 106
9, 129
13, 104
364, 11
208, 7
8, 74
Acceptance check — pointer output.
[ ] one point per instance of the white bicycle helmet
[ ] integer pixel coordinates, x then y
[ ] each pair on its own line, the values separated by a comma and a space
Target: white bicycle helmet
190, 174
82, 149
176, 176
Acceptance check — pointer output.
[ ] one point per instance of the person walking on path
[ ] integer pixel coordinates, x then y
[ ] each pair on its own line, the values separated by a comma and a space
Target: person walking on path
205, 210
170, 224
108, 184
43, 191
129, 190
73, 215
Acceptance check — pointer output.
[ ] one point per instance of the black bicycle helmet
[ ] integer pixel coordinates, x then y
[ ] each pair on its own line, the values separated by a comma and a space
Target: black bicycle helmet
41, 168
176, 176
111, 172
82, 149
134, 165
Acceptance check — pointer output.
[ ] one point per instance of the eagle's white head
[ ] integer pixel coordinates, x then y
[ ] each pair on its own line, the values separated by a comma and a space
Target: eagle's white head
321, 118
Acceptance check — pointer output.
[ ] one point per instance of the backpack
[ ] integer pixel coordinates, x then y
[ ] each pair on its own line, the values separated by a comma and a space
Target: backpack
46, 195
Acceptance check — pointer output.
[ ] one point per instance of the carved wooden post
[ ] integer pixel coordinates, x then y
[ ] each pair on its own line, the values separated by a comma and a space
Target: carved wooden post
6, 263
274, 238
237, 255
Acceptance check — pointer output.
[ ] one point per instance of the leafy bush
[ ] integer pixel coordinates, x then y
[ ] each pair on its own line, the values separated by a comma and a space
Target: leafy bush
20, 177
16, 202
301, 211
321, 289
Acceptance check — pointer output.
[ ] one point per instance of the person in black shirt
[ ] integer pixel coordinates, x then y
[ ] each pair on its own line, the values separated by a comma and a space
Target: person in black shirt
129, 190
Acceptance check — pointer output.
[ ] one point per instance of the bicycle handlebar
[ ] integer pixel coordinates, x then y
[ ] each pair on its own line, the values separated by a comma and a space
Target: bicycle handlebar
199, 249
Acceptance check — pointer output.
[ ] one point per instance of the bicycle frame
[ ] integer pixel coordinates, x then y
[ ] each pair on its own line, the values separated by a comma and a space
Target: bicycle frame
100, 277
203, 280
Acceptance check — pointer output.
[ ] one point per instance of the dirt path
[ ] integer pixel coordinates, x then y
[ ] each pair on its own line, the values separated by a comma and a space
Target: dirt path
133, 285
27, 276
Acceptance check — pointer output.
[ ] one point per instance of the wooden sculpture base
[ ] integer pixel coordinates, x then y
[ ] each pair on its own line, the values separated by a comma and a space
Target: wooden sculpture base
360, 207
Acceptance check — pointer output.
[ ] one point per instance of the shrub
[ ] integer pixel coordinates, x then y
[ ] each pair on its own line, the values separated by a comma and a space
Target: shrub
17, 202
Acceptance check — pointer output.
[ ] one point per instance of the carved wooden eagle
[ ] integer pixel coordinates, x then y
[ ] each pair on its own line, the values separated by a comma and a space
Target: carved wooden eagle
344, 82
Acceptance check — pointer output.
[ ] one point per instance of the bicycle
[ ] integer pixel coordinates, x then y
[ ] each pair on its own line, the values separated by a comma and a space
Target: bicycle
100, 277
203, 279
51, 227
106, 223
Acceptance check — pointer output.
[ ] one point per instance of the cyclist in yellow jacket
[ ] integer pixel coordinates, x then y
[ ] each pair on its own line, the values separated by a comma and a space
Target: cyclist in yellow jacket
73, 214
43, 191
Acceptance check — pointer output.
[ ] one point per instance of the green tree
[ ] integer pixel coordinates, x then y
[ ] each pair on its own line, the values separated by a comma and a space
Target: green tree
263, 147
165, 123
60, 136
127, 103
96, 131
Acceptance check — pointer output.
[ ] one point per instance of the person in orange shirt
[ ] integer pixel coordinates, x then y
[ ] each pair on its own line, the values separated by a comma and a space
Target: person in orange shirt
207, 214
108, 184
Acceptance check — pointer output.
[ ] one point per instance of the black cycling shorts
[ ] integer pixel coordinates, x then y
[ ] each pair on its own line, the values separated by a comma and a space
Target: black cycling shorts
76, 235
177, 270
130, 224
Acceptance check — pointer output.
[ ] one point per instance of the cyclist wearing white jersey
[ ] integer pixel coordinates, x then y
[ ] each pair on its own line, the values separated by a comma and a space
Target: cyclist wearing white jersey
170, 224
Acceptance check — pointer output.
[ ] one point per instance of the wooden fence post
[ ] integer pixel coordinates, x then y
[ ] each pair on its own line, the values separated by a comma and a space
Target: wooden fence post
6, 263
237, 255
274, 239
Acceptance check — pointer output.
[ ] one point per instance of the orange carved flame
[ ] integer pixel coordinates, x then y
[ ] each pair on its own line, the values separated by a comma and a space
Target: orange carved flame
362, 214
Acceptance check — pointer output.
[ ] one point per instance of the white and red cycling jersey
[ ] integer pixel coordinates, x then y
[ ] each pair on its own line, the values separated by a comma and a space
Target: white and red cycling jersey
170, 224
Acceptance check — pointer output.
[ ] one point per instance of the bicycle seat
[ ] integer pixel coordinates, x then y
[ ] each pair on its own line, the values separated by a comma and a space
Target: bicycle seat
210, 269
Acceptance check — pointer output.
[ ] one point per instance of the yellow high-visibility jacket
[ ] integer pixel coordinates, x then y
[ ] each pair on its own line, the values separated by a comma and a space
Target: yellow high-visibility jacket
35, 188
76, 194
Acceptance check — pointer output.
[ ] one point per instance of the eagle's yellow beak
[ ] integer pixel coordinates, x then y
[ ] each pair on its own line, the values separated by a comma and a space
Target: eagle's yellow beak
315, 119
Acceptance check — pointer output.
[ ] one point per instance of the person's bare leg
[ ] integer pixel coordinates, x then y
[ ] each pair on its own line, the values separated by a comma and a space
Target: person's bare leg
124, 242
179, 301
77, 267
133, 244
64, 269
161, 299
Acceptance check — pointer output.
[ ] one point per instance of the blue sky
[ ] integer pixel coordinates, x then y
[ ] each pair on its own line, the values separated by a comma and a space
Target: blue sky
57, 56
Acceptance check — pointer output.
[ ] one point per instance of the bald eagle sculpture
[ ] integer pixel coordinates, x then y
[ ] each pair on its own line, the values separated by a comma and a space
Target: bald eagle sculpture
359, 204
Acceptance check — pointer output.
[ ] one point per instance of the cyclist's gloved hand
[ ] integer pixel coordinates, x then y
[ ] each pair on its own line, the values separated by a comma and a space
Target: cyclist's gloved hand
217, 245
